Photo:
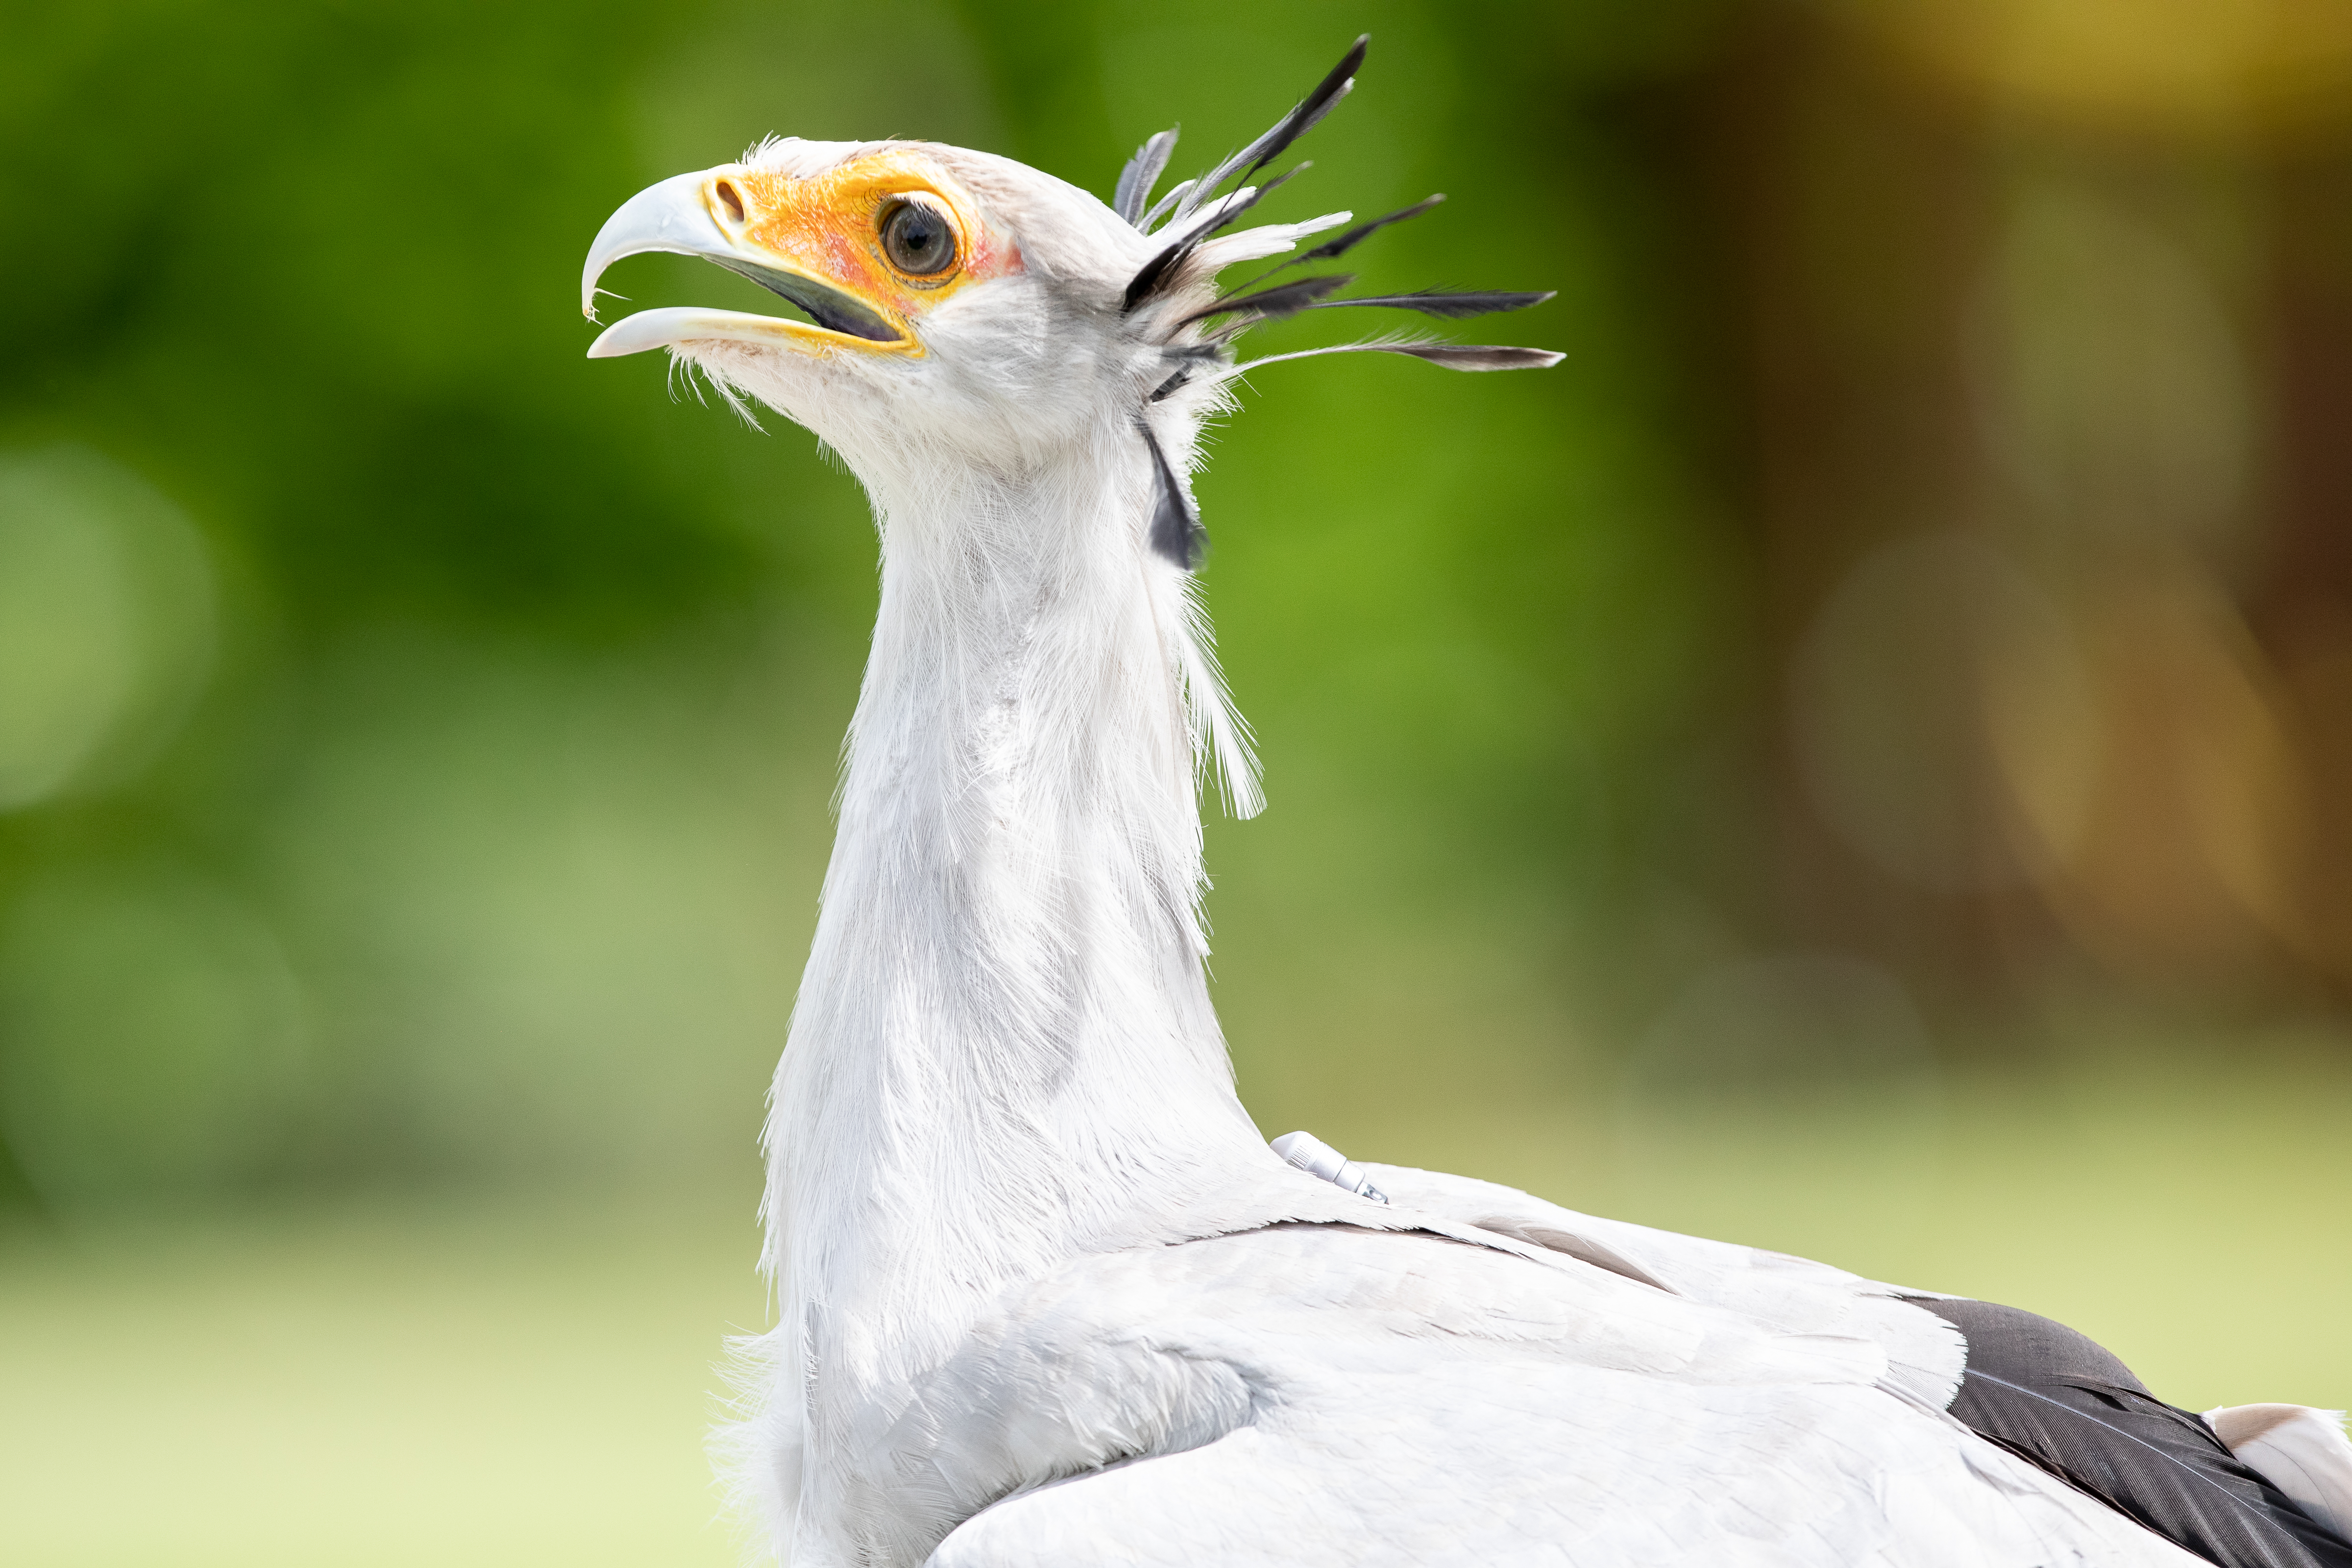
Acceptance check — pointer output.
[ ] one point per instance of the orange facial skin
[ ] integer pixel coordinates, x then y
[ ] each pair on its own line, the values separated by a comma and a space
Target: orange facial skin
827, 228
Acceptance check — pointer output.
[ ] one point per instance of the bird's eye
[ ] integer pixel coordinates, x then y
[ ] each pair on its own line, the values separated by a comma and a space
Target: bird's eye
918, 240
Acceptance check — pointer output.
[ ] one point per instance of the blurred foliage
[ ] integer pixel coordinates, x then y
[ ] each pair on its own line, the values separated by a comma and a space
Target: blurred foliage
469, 708
1908, 612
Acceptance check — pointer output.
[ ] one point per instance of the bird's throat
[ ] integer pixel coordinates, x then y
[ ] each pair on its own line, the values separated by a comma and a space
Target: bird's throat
1004, 1052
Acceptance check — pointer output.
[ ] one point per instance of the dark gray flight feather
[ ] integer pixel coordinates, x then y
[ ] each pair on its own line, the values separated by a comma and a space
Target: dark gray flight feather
2161, 1465
1142, 172
1176, 532
1453, 304
1158, 272
2061, 1400
1282, 299
1311, 109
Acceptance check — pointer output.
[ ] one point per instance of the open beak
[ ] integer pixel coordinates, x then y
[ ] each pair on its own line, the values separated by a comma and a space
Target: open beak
720, 215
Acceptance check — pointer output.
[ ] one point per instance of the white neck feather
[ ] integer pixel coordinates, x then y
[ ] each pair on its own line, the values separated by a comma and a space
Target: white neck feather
1004, 1053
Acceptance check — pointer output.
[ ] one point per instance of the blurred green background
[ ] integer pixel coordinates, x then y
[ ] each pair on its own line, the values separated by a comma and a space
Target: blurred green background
1856, 760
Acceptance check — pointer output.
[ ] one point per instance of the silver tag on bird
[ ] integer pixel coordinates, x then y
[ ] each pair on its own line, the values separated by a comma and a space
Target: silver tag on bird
1317, 1158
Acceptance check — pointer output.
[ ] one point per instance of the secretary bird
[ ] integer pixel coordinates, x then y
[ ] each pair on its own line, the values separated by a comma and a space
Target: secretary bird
1045, 1296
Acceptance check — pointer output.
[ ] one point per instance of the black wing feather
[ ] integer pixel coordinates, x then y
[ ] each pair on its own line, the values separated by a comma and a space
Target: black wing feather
2060, 1400
2162, 1466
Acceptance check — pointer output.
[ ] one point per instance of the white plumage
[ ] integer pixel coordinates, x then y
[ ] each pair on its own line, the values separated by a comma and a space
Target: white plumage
2303, 1451
1044, 1294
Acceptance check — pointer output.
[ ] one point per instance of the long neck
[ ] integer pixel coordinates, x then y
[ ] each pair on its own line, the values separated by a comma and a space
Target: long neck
1004, 1052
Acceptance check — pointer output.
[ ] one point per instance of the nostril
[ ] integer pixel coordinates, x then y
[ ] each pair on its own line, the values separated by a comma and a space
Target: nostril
732, 198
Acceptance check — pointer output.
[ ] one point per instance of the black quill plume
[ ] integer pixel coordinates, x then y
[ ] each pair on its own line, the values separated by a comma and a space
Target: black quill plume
1473, 356
1158, 272
1453, 304
1176, 532
1272, 304
1451, 356
1350, 239
1310, 110
1161, 269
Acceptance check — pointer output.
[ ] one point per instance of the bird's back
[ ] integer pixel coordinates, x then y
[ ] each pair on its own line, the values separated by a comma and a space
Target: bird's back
1319, 1393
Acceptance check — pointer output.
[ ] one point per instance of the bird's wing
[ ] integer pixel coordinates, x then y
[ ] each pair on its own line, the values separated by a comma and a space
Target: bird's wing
1925, 1353
1319, 1393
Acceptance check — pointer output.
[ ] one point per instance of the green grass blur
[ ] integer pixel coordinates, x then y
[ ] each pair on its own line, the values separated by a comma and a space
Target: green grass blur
415, 743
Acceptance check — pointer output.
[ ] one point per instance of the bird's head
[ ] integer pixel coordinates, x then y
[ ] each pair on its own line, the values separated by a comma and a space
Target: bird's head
961, 304
949, 296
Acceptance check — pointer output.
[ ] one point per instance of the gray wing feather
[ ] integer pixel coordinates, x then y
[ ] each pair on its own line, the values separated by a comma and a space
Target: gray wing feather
1317, 1394
1925, 1353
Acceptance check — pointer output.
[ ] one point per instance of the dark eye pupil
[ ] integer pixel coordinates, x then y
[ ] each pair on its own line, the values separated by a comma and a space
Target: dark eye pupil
917, 241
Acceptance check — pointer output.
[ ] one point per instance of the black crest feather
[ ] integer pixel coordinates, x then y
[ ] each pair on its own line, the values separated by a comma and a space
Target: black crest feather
1473, 356
1309, 111
1176, 532
1347, 239
1453, 304
1158, 272
1350, 239
1161, 269
1272, 304
1451, 356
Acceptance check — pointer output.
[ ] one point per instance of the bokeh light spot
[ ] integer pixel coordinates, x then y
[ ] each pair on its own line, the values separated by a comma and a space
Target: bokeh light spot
106, 621
150, 1030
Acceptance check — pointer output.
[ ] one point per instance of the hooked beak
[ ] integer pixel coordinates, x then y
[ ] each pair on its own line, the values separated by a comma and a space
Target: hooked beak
718, 215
